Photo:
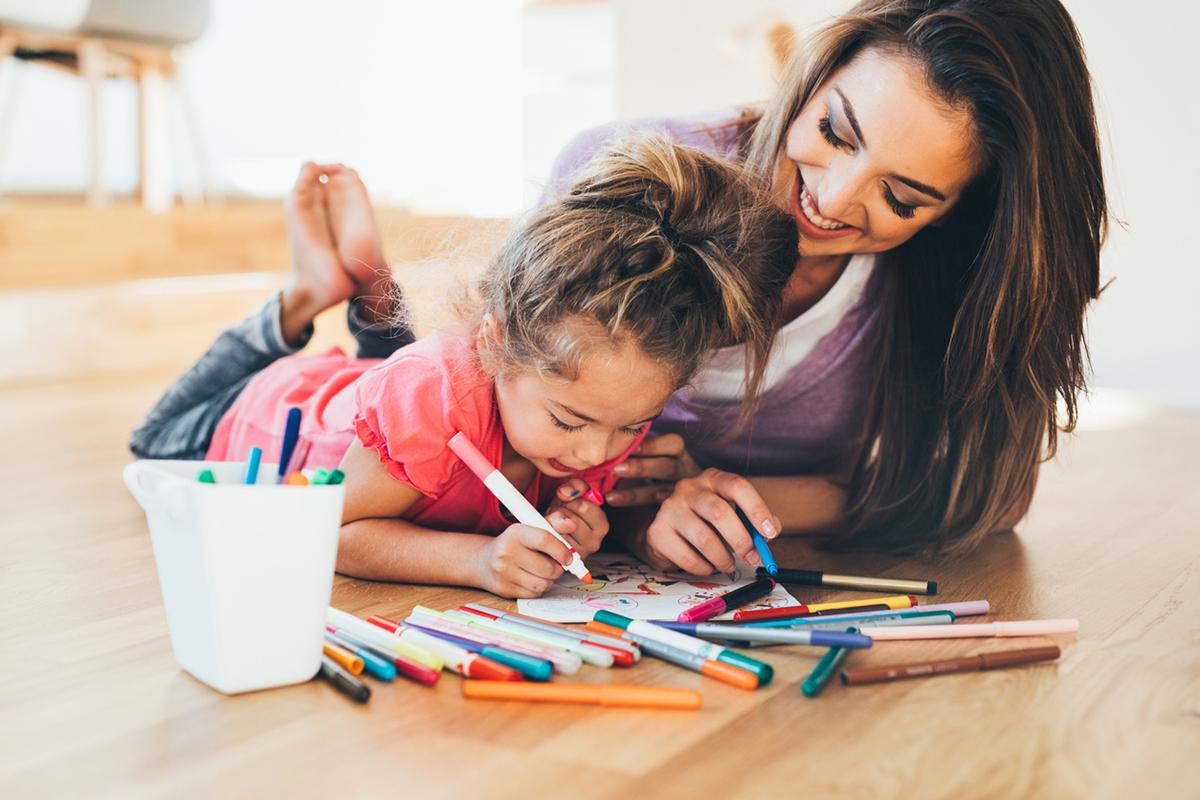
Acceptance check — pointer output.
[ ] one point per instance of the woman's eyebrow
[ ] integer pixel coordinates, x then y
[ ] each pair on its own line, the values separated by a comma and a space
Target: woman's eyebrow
848, 110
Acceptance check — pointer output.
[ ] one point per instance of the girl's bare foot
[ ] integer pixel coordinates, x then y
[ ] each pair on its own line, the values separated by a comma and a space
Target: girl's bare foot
318, 280
357, 239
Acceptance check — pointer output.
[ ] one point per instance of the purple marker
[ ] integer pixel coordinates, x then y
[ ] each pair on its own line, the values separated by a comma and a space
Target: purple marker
535, 669
743, 633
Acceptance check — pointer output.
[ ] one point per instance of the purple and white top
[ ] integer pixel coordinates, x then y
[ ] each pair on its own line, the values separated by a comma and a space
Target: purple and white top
810, 417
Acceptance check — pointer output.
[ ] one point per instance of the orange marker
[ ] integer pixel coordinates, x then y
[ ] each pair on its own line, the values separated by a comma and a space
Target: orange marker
297, 479
605, 695
341, 655
718, 670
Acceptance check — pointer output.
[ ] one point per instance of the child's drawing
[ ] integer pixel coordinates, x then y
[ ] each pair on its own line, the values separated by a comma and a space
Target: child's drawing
629, 587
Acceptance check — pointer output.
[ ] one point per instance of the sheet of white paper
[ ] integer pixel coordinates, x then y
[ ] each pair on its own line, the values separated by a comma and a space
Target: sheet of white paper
624, 585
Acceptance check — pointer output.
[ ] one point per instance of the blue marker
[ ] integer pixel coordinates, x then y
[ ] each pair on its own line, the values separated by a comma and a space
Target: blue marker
760, 544
252, 464
741, 633
535, 669
291, 432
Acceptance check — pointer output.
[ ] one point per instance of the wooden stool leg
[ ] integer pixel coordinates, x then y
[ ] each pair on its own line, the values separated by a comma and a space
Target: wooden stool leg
156, 189
91, 67
8, 44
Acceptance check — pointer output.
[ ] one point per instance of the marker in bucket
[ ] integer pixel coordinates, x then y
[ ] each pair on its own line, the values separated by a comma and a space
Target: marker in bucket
206, 476
512, 499
252, 461
291, 432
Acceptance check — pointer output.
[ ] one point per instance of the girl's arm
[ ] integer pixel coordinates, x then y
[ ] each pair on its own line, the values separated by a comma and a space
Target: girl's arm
521, 562
376, 544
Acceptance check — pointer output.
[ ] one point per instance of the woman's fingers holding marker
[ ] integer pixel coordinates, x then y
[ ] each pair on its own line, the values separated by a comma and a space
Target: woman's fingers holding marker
716, 511
667, 544
571, 489
644, 495
741, 492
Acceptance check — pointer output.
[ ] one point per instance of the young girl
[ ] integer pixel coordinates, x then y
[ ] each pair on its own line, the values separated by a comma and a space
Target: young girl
595, 310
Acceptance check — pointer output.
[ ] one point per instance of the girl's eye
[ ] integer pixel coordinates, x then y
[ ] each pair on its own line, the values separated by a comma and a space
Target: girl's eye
559, 423
826, 129
902, 210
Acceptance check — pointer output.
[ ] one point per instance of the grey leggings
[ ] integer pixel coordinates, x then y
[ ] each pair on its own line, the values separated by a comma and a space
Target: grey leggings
182, 422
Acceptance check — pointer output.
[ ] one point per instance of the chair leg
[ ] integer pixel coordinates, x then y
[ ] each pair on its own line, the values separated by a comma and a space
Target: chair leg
92, 67
8, 96
156, 190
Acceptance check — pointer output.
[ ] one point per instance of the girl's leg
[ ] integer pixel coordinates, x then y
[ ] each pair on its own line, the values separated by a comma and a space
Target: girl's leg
373, 313
182, 423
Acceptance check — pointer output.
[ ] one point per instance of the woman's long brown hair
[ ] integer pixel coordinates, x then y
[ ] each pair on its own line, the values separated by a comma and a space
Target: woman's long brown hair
981, 332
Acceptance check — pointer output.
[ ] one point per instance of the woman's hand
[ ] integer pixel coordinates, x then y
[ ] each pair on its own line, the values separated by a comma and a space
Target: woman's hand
587, 523
697, 529
659, 461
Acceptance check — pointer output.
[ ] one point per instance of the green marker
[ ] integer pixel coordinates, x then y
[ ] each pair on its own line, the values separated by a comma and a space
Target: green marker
824, 669
689, 644
206, 476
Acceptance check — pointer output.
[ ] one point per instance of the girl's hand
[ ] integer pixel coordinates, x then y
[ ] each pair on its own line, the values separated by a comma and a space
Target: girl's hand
697, 530
588, 521
522, 562
659, 461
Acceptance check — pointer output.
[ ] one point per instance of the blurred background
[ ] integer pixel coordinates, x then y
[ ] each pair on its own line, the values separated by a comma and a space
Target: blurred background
145, 147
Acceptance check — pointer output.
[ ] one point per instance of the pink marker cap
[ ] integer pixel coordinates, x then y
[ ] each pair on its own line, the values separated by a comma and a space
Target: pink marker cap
594, 496
702, 611
469, 453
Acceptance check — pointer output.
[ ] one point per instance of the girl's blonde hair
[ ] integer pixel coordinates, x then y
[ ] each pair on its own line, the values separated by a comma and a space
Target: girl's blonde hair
661, 244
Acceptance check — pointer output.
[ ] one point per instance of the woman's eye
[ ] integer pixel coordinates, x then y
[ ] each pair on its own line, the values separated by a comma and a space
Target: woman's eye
902, 210
633, 431
559, 423
826, 129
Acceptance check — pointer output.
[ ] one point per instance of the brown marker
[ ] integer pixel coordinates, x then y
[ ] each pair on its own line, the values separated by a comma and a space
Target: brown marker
923, 669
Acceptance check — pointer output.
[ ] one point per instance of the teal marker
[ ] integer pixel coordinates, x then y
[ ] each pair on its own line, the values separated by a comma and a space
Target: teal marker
373, 665
206, 476
824, 669
760, 544
252, 461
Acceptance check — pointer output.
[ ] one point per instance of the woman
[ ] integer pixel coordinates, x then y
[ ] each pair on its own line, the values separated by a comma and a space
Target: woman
942, 163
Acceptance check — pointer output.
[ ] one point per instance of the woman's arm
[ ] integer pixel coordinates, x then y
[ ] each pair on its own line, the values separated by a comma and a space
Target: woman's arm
805, 504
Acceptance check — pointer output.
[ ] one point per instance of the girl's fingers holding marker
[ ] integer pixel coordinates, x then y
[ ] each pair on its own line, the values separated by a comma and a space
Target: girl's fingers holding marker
536, 539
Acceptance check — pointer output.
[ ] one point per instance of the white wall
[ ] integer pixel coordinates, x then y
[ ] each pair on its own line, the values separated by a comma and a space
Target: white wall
462, 104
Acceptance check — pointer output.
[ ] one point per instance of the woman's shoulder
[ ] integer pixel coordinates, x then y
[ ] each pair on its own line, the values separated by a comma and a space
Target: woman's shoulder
718, 133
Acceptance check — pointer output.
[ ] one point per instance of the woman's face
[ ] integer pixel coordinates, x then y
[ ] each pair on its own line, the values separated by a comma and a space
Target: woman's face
872, 158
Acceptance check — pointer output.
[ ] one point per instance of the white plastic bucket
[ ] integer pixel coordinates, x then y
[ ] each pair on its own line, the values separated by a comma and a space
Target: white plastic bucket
246, 571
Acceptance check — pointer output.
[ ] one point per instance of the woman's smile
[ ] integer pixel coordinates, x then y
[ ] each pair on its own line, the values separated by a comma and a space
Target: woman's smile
804, 207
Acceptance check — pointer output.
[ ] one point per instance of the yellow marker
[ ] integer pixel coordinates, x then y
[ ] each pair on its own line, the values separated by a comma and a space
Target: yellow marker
785, 612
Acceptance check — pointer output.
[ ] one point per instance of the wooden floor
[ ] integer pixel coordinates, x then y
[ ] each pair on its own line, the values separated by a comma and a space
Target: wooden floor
93, 704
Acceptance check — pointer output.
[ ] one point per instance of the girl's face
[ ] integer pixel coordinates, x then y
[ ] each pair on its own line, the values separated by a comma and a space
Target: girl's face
565, 427
872, 158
